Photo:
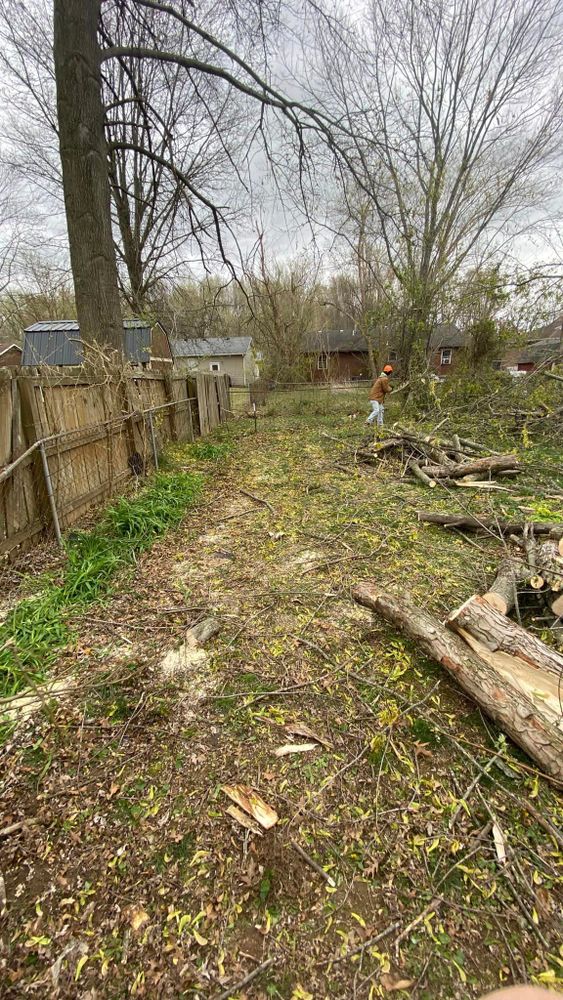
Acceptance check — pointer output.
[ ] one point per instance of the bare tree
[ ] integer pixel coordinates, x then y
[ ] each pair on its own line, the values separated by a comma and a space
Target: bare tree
451, 109
282, 302
146, 106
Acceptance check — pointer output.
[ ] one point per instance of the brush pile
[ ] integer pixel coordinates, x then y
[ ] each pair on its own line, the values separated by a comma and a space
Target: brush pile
431, 459
533, 561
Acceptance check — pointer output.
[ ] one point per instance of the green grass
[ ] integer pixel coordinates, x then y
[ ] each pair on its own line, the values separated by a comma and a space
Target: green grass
36, 629
207, 452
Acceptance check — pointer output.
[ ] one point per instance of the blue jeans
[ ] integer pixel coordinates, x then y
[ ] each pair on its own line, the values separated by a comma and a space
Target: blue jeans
377, 410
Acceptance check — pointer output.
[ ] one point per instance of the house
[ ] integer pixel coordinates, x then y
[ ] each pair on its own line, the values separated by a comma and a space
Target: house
57, 342
10, 356
336, 356
534, 353
342, 355
231, 356
446, 348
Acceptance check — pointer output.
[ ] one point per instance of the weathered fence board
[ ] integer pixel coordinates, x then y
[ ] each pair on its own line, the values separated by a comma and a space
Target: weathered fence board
97, 435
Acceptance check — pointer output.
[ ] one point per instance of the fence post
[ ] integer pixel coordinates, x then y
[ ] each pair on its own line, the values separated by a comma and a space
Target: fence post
153, 439
50, 494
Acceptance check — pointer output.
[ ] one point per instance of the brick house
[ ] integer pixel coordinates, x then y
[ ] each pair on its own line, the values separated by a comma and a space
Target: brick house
342, 355
446, 348
10, 356
336, 356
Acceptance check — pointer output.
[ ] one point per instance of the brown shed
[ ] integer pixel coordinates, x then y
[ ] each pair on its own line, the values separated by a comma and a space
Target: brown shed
10, 356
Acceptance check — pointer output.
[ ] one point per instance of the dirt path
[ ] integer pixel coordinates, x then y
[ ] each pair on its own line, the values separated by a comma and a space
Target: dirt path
135, 881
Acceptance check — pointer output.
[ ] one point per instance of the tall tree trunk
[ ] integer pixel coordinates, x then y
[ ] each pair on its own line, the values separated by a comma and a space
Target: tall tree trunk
85, 172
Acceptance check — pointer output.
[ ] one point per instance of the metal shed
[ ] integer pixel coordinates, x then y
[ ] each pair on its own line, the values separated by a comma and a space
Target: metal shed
57, 342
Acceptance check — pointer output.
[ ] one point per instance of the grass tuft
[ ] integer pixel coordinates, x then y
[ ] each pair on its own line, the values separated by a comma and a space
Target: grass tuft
36, 629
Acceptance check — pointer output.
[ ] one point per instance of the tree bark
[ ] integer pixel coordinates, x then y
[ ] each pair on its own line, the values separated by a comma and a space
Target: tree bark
84, 160
497, 632
486, 524
513, 710
477, 467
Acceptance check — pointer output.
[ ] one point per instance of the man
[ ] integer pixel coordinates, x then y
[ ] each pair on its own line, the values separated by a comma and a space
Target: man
377, 395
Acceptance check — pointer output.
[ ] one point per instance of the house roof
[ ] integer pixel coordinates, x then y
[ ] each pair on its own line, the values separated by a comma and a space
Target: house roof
547, 332
447, 335
9, 347
334, 341
539, 351
57, 342
211, 347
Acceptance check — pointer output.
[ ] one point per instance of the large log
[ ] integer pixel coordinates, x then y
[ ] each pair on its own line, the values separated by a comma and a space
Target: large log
487, 524
513, 710
496, 632
477, 466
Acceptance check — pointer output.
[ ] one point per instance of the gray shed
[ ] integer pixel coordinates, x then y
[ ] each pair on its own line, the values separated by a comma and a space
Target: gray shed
57, 342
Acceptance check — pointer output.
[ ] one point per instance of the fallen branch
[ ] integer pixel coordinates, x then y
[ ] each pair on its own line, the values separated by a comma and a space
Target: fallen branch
259, 500
237, 987
513, 710
486, 524
313, 864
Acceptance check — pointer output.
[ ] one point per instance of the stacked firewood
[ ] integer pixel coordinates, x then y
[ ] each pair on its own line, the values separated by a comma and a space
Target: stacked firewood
432, 459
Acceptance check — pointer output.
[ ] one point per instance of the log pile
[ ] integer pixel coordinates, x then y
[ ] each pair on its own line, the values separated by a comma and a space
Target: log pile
511, 675
535, 561
431, 459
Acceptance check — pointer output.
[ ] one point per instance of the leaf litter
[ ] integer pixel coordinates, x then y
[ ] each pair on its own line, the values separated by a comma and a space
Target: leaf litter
134, 880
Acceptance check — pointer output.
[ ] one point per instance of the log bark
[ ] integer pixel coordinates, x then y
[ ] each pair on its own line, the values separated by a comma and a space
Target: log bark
549, 563
497, 632
502, 593
478, 466
486, 524
513, 710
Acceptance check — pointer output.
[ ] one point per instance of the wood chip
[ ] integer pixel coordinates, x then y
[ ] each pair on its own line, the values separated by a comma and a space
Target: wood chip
244, 820
500, 845
252, 803
301, 729
294, 748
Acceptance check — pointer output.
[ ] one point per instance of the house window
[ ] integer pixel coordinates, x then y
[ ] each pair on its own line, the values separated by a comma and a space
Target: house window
446, 356
496, 365
214, 366
393, 356
322, 362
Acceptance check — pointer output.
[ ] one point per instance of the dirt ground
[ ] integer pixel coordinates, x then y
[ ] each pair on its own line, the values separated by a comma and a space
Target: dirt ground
127, 877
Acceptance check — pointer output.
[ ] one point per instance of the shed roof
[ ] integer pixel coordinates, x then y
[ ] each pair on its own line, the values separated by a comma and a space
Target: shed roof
7, 346
58, 342
211, 347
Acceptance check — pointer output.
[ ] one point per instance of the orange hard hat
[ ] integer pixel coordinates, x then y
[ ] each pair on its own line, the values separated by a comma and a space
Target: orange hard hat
388, 368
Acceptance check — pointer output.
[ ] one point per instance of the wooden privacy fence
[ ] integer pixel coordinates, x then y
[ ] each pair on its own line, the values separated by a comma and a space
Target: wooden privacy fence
67, 443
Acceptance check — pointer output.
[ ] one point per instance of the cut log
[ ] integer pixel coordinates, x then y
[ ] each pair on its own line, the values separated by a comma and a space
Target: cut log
504, 588
489, 686
557, 606
475, 466
457, 445
496, 632
486, 524
417, 471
